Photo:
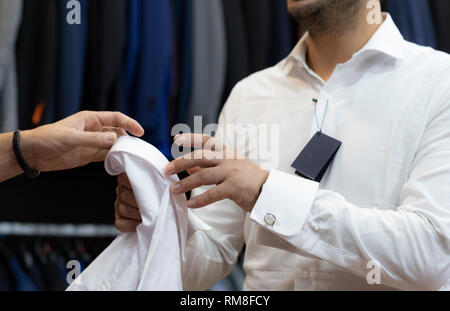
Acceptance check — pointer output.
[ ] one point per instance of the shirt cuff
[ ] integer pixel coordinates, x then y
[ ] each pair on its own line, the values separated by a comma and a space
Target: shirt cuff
284, 203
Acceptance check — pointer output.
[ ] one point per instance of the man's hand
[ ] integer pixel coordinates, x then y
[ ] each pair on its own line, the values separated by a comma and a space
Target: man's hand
239, 180
76, 141
127, 216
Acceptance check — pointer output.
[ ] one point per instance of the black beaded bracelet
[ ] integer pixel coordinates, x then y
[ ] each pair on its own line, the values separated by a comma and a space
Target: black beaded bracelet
29, 172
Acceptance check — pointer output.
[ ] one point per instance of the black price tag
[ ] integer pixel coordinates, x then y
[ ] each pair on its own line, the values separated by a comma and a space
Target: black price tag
316, 157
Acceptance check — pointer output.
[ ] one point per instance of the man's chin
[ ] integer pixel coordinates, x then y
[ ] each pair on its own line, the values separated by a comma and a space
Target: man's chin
304, 8
302, 4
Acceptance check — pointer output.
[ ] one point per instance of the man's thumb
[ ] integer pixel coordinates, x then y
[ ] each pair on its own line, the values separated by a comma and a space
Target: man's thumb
100, 140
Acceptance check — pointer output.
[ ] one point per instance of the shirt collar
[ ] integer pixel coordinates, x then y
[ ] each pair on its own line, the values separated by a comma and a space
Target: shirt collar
387, 40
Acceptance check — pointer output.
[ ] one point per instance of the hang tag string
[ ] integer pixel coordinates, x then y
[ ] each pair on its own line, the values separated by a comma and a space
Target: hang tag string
320, 127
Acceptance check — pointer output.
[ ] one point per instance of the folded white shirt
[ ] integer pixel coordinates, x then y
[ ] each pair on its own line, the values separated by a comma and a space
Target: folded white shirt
150, 259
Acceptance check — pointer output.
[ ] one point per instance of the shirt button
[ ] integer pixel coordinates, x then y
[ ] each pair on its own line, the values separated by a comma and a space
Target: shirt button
306, 274
270, 219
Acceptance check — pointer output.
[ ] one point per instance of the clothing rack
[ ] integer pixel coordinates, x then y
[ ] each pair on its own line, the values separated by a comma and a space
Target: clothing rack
57, 230
41, 263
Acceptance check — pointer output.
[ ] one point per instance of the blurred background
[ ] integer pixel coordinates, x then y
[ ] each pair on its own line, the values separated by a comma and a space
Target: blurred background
160, 61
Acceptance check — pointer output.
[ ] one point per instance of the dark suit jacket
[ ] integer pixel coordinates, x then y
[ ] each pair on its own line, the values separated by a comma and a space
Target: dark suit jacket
105, 54
36, 60
238, 59
440, 10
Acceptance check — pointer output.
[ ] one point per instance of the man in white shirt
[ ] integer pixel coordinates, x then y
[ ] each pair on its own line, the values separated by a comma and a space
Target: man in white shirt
380, 217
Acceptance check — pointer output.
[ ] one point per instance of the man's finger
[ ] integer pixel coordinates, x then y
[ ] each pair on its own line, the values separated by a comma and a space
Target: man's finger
127, 211
125, 195
126, 225
119, 131
98, 140
118, 119
194, 170
200, 158
199, 141
218, 193
205, 177
124, 181
100, 155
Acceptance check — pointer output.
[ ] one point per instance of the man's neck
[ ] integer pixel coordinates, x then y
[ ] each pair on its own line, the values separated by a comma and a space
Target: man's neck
325, 52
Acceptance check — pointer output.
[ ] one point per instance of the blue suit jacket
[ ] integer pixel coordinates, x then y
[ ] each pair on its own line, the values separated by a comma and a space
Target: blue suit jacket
414, 20
154, 73
132, 50
71, 59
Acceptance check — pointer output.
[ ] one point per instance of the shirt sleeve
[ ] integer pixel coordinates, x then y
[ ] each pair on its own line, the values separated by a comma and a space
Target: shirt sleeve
410, 244
215, 232
211, 252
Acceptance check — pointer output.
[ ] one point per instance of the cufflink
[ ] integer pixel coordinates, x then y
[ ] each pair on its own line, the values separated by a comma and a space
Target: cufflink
270, 219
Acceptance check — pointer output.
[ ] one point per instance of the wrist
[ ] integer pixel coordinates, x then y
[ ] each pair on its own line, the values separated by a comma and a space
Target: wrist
27, 148
15, 168
265, 176
262, 180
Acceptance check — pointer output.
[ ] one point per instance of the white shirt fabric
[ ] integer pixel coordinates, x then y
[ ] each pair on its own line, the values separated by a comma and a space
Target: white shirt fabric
151, 258
385, 198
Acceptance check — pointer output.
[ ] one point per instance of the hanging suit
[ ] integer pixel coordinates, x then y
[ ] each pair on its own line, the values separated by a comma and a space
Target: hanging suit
71, 60
36, 62
6, 281
258, 21
21, 279
209, 61
440, 10
151, 91
414, 20
175, 84
105, 53
238, 62
281, 35
183, 21
132, 51
10, 15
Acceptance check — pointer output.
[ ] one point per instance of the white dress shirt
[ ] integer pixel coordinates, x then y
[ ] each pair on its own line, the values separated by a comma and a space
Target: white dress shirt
384, 199
151, 258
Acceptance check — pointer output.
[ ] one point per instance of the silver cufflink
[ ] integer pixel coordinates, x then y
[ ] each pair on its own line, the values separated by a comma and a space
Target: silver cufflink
270, 219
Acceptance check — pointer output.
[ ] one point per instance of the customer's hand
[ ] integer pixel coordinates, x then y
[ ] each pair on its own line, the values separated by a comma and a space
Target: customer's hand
75, 141
128, 216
